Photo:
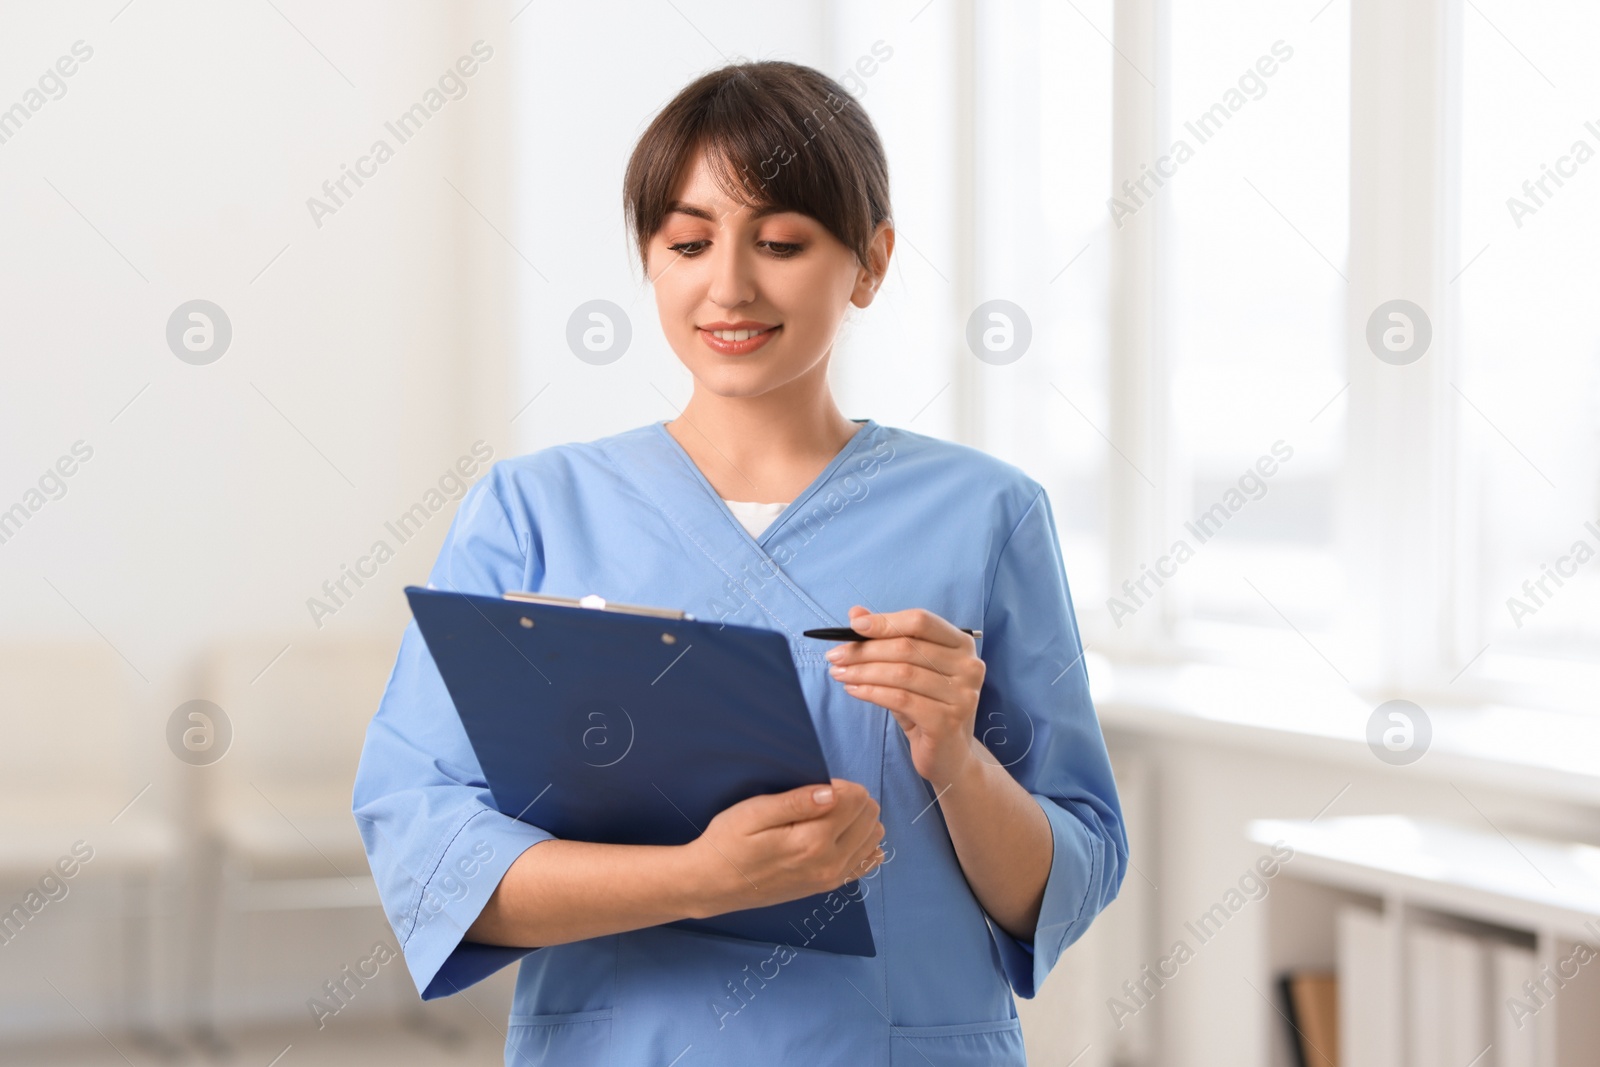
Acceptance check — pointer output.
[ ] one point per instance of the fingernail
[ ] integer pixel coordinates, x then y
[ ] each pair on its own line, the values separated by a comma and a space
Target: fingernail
836, 671
860, 623
836, 653
823, 795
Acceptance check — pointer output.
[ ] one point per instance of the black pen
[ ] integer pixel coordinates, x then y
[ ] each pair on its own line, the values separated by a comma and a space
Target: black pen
845, 633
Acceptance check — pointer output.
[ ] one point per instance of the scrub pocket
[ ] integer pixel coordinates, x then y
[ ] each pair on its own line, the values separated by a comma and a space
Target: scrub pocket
580, 1037
996, 1044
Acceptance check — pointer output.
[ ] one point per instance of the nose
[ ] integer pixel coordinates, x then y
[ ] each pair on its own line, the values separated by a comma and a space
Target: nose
732, 275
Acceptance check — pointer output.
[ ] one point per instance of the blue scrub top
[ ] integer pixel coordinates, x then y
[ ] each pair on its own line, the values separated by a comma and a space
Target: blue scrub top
897, 520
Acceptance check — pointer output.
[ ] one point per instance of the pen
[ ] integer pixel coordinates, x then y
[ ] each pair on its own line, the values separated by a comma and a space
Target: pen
845, 633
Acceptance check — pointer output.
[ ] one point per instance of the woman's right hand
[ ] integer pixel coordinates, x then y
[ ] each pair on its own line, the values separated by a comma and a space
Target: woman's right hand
782, 846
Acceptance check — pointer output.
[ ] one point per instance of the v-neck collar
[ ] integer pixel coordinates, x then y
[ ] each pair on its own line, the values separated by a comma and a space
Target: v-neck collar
867, 426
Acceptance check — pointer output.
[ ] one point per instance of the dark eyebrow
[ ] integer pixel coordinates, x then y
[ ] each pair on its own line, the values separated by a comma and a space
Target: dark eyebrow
678, 207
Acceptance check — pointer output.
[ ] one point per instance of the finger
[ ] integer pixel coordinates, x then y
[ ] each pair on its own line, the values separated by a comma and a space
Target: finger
897, 674
908, 708
867, 855
852, 800
796, 805
850, 828
942, 658
852, 796
945, 659
864, 835
912, 622
860, 843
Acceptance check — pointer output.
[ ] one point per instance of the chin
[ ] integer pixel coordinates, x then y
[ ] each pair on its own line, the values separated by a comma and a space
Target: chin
741, 377
737, 385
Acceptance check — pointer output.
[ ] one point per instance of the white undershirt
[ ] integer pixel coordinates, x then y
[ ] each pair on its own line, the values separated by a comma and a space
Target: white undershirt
752, 516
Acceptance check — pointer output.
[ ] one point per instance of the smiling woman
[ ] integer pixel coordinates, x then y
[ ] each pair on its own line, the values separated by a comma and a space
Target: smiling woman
759, 201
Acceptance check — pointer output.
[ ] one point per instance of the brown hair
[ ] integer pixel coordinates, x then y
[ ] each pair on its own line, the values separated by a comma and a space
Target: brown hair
776, 134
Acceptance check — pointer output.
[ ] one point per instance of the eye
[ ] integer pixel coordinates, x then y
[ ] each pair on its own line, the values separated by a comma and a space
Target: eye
688, 248
782, 249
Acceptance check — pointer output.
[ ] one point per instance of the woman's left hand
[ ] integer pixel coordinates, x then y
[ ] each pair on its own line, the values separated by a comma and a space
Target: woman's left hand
924, 671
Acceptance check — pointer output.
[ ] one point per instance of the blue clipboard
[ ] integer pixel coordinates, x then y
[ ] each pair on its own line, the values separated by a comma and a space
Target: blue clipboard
634, 726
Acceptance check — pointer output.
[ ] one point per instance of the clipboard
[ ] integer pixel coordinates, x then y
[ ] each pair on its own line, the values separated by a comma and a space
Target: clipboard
631, 725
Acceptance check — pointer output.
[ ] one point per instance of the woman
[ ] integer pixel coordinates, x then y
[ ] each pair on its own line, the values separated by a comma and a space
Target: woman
974, 814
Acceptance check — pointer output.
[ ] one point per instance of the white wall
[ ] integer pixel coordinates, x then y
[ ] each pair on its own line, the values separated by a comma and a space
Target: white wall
191, 141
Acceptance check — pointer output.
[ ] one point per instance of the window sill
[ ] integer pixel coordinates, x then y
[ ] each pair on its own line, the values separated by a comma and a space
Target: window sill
1530, 751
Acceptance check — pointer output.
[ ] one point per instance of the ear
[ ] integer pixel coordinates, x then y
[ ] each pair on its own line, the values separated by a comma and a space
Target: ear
870, 278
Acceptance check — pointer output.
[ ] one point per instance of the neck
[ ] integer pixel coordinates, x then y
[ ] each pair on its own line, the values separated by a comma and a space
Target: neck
767, 447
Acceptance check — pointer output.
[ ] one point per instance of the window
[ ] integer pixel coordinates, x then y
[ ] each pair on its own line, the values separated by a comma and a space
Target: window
1044, 243
1527, 388
1254, 246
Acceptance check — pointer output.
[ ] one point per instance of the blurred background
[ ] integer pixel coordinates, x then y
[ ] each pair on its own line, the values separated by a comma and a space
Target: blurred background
1290, 310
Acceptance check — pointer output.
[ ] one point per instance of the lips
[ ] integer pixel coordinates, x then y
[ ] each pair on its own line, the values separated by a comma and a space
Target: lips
737, 338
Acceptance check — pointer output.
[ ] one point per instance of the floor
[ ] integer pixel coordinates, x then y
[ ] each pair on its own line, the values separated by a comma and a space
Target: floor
461, 1039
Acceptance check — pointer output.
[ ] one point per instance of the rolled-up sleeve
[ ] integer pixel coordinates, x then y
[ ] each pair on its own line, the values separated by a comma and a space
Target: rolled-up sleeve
436, 844
1036, 717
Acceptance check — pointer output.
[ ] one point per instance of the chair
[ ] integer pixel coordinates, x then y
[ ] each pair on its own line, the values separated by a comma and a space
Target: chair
82, 761
279, 832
